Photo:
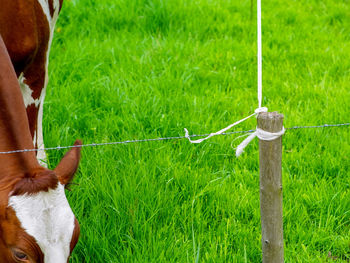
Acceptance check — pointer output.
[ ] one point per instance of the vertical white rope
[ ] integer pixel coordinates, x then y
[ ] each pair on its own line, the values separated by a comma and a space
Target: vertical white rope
259, 53
245, 142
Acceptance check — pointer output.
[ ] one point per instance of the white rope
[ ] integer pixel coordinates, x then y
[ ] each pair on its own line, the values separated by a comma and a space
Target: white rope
240, 148
269, 136
259, 53
259, 109
262, 135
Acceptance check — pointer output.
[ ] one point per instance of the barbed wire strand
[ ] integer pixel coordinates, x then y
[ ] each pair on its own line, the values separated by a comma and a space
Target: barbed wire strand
163, 139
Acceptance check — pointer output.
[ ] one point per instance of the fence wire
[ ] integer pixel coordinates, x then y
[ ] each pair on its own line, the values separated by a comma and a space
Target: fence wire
164, 139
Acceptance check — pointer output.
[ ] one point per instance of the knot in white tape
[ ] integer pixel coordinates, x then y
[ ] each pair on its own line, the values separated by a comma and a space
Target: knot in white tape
268, 136
262, 135
261, 109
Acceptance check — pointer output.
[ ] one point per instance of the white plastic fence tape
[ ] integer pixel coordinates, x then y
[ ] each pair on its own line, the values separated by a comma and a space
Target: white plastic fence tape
258, 110
259, 53
262, 134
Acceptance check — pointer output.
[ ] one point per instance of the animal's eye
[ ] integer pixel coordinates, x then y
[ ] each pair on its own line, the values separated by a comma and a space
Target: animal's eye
19, 255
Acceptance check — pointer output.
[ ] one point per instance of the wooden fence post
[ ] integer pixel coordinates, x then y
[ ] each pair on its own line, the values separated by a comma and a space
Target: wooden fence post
271, 189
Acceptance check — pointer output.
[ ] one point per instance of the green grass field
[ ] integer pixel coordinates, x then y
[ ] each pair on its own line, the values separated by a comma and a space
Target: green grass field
135, 69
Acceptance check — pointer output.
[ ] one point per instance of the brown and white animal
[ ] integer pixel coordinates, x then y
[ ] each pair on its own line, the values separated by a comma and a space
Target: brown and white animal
37, 224
26, 27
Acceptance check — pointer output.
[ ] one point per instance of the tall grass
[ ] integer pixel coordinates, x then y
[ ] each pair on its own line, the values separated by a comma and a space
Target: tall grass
147, 68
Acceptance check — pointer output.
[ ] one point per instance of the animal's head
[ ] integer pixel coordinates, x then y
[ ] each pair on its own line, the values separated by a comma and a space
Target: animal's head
37, 223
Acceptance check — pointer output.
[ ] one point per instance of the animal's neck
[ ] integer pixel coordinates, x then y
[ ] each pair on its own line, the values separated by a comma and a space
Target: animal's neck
14, 127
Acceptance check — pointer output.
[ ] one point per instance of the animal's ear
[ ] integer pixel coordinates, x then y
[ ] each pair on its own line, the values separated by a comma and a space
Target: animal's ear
69, 164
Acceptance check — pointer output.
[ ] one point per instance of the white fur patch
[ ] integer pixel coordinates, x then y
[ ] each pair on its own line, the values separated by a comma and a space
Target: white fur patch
46, 9
48, 218
27, 93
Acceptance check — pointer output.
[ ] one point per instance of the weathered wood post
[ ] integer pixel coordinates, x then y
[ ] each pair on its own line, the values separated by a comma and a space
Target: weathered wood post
271, 189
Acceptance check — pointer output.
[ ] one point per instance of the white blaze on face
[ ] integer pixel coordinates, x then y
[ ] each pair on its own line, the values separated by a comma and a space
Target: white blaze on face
48, 218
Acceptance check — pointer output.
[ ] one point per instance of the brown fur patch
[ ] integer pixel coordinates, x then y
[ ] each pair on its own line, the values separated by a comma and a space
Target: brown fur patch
75, 236
35, 182
52, 11
14, 236
66, 169
32, 113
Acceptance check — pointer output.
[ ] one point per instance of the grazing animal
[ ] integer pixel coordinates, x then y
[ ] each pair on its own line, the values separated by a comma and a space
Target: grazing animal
37, 224
27, 27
